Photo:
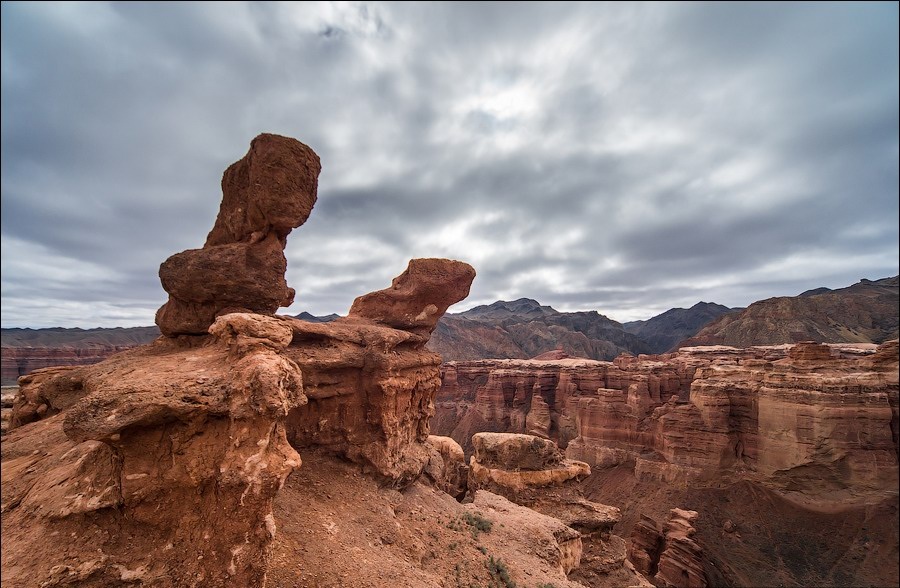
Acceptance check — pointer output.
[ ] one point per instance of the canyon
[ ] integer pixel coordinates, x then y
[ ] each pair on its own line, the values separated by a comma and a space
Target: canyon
812, 428
239, 447
244, 448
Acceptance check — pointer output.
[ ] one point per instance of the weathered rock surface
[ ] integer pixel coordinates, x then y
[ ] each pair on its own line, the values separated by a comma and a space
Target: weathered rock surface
163, 472
447, 466
265, 195
159, 466
802, 417
513, 463
532, 472
418, 297
371, 387
672, 555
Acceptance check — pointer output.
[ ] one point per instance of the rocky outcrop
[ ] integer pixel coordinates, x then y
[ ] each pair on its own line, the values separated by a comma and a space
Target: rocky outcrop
787, 416
370, 386
510, 463
672, 555
159, 466
434, 281
532, 471
446, 466
163, 473
265, 195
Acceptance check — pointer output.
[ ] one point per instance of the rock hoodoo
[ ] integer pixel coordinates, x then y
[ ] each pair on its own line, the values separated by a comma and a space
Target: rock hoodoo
159, 466
265, 195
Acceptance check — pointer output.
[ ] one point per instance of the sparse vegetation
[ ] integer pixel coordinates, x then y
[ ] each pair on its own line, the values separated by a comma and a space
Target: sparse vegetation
478, 522
474, 521
499, 574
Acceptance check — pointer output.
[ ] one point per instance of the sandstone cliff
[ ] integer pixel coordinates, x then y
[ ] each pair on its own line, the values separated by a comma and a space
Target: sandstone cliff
780, 413
805, 432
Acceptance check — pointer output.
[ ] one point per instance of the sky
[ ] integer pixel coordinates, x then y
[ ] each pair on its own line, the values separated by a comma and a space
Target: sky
624, 158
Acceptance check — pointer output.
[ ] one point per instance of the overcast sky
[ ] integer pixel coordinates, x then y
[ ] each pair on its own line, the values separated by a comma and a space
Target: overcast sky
624, 158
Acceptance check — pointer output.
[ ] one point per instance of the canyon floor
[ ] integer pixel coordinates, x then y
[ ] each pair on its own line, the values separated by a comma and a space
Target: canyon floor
773, 540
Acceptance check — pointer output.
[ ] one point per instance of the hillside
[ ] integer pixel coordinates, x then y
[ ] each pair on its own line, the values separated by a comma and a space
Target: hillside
523, 328
866, 312
666, 330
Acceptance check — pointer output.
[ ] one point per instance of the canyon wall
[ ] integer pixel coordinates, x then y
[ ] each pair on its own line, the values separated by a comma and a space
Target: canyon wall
26, 350
806, 418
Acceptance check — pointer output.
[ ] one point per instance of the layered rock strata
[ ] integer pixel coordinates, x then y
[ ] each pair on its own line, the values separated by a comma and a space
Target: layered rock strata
159, 465
786, 415
533, 472
671, 556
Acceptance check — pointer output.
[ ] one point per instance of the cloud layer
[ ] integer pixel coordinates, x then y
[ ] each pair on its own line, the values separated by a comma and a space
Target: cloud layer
626, 158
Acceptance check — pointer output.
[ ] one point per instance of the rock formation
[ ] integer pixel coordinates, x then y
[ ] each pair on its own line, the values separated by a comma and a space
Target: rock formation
786, 415
265, 195
509, 463
159, 466
532, 471
672, 555
163, 473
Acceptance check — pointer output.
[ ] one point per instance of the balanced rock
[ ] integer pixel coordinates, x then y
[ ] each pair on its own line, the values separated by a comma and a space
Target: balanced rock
265, 195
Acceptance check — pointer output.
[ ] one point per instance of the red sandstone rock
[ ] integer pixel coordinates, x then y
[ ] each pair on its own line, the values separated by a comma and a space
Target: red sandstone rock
681, 561
265, 195
811, 417
163, 472
159, 465
418, 297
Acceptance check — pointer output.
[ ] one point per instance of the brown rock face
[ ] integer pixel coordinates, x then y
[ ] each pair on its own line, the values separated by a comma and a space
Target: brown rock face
418, 297
671, 556
265, 195
159, 466
811, 418
163, 472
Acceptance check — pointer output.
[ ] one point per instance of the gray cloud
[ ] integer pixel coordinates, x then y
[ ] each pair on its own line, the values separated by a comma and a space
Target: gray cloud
626, 158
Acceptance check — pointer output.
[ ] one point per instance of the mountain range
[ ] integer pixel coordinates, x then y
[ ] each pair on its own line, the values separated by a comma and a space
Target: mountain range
865, 312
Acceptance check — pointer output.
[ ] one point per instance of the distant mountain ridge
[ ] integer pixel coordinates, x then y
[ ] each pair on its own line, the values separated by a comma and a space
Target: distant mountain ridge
866, 312
524, 328
666, 330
